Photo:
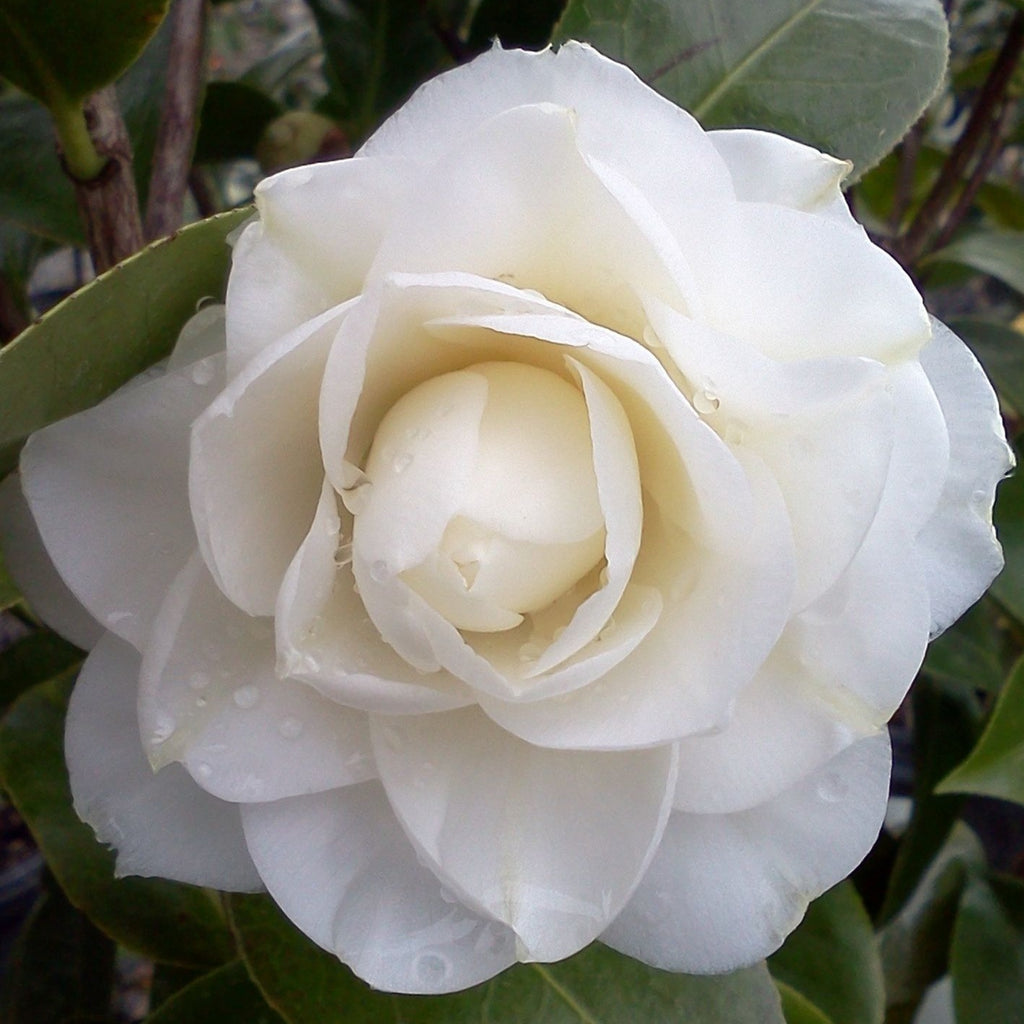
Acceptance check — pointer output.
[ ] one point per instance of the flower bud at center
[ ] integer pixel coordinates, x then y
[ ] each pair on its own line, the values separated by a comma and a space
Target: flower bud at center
514, 482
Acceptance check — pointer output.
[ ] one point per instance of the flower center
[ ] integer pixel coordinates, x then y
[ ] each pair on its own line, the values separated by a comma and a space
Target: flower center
496, 460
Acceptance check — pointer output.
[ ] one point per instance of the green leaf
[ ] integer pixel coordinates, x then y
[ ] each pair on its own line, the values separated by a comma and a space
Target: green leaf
1008, 516
1000, 350
232, 119
832, 960
996, 765
61, 52
597, 986
225, 994
31, 660
376, 52
970, 653
62, 967
945, 729
998, 253
987, 956
162, 920
798, 1009
914, 944
846, 76
108, 331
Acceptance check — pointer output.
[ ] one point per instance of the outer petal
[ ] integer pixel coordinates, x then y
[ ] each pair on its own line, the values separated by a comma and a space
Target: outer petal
725, 890
210, 699
108, 490
316, 236
325, 637
958, 544
255, 467
341, 869
769, 168
505, 823
33, 571
162, 824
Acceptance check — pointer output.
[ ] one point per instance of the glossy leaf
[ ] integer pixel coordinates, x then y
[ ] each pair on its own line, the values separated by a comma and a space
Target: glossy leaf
61, 968
798, 1009
987, 957
995, 766
945, 728
34, 659
597, 986
163, 920
998, 253
376, 52
108, 331
225, 994
832, 959
842, 75
61, 52
914, 944
1008, 588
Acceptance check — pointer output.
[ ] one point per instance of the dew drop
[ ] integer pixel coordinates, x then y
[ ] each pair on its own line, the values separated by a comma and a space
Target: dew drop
400, 463
431, 968
204, 770
163, 730
705, 401
290, 727
246, 696
832, 788
200, 702
379, 571
202, 372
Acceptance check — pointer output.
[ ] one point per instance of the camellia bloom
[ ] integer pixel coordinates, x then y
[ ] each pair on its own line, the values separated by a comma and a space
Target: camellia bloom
534, 548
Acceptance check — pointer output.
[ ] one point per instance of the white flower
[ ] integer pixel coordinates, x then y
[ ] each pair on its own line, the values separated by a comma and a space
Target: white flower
545, 554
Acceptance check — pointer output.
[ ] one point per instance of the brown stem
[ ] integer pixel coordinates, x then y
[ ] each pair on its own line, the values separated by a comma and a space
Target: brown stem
904, 191
199, 186
172, 155
985, 163
971, 141
108, 203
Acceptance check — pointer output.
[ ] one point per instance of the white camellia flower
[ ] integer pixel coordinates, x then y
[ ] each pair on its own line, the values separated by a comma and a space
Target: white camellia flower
534, 548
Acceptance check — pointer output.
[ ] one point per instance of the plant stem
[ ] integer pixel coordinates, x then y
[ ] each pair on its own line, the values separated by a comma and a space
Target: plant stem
172, 155
107, 200
80, 156
928, 219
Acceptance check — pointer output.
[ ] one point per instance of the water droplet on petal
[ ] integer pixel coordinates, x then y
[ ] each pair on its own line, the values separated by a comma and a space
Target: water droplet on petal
379, 571
163, 729
705, 401
246, 696
832, 788
202, 372
400, 463
291, 727
431, 968
204, 770
201, 702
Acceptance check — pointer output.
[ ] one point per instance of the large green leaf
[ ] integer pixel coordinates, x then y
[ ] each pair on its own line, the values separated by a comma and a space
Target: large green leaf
915, 942
846, 76
597, 986
998, 253
163, 920
33, 659
61, 52
225, 994
832, 959
996, 765
987, 957
61, 969
376, 52
108, 331
798, 1009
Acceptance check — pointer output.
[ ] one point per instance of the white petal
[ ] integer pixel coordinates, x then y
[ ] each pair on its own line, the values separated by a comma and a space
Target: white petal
769, 168
339, 866
725, 890
523, 176
318, 230
799, 286
255, 467
958, 544
210, 699
162, 824
552, 843
325, 637
34, 573
108, 488
202, 336
783, 727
